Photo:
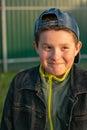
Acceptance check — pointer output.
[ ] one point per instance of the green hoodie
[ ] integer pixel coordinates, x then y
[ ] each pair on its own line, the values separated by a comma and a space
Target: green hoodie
56, 98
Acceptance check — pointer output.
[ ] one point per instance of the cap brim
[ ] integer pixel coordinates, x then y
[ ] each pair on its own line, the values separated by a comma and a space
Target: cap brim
77, 58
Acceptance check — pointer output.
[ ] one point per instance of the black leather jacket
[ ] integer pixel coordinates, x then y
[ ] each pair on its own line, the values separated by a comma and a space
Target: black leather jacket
25, 108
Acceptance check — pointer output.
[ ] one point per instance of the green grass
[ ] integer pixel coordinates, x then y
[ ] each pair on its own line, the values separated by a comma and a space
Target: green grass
5, 79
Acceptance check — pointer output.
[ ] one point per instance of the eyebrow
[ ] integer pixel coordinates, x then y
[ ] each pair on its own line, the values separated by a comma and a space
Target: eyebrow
47, 44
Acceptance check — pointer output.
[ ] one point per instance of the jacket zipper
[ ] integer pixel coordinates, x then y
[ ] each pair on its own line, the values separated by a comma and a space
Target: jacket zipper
49, 103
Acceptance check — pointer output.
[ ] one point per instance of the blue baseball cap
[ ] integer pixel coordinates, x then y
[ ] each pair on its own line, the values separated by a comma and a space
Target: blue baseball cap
60, 18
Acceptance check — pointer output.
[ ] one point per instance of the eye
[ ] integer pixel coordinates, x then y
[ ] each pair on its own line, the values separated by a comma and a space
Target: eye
47, 48
65, 48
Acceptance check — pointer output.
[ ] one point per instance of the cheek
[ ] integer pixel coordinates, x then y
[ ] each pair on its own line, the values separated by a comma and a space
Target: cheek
43, 58
69, 57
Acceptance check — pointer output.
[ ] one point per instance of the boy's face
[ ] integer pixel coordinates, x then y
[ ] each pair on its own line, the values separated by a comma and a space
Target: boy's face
57, 50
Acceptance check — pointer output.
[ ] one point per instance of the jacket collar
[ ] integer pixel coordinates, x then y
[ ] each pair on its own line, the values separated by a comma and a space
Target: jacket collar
78, 81
31, 79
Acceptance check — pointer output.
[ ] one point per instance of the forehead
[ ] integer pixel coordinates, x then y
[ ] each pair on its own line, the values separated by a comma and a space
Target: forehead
56, 36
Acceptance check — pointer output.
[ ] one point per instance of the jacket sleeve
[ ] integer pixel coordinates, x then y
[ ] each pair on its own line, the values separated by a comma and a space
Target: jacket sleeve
7, 119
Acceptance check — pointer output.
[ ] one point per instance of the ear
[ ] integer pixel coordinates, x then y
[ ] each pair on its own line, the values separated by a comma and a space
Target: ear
78, 47
35, 46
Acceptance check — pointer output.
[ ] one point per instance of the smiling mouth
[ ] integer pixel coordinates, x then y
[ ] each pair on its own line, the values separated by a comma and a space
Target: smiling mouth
52, 63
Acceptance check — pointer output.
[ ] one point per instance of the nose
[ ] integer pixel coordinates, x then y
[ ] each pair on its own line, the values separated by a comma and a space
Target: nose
56, 55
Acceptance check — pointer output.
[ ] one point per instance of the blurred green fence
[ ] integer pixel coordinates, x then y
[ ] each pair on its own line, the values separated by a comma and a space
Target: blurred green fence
17, 19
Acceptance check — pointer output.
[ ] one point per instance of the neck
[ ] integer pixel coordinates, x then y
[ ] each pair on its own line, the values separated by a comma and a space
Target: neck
59, 79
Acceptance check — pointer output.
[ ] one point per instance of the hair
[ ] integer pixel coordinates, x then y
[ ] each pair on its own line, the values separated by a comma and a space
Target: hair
55, 28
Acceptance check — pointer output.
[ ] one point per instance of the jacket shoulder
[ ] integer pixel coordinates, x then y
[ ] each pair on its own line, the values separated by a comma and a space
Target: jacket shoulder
79, 79
82, 73
26, 78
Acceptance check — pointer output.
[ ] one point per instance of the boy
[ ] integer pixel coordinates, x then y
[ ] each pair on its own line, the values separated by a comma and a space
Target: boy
53, 95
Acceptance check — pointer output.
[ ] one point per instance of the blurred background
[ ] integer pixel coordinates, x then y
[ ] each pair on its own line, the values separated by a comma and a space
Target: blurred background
17, 18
